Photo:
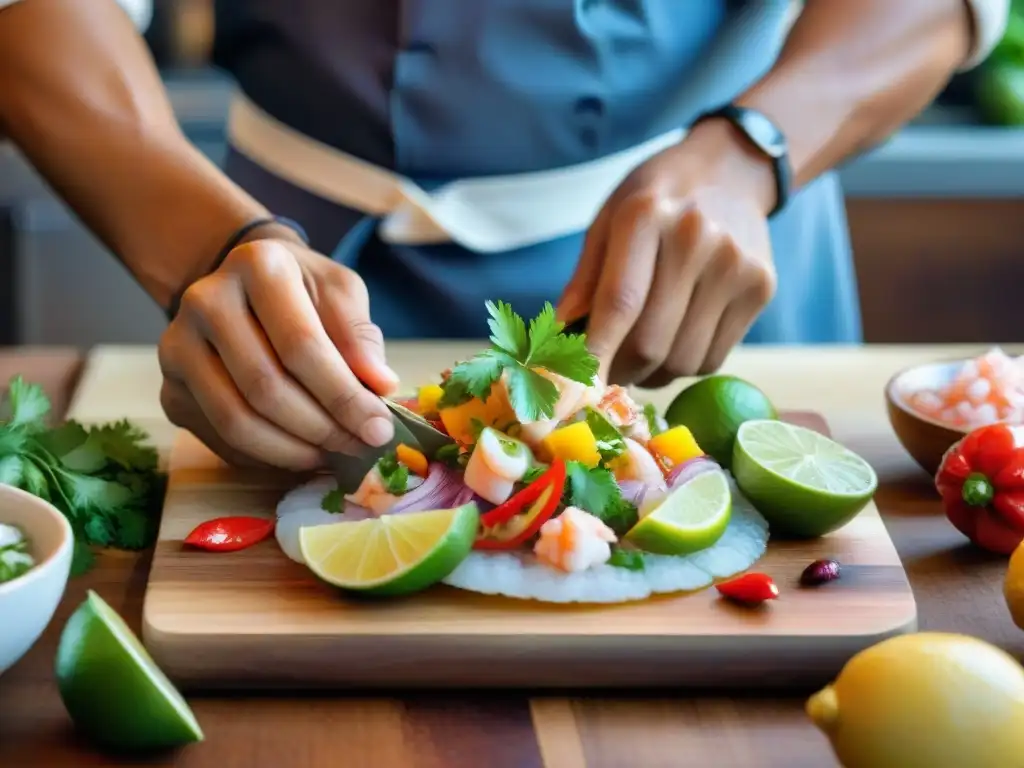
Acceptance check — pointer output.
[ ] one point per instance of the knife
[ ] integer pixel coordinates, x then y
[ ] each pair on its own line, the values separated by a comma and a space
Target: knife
410, 428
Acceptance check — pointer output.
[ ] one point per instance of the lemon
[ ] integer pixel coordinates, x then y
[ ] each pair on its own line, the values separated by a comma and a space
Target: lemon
391, 554
692, 517
713, 409
115, 693
804, 483
1013, 586
926, 700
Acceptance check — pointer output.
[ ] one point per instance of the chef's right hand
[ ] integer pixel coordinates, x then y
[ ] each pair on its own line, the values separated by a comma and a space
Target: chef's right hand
265, 358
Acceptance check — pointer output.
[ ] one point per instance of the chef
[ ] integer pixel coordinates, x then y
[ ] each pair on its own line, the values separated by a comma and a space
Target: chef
662, 168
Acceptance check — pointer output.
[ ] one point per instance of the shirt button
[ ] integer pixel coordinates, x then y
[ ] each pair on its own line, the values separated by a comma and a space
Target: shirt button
418, 46
589, 106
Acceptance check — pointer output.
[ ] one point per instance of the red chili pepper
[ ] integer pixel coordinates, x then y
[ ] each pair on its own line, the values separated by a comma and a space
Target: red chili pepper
981, 481
229, 534
750, 588
542, 496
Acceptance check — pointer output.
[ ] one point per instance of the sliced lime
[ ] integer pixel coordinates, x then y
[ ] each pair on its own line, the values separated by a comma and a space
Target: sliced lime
115, 693
691, 518
804, 483
391, 554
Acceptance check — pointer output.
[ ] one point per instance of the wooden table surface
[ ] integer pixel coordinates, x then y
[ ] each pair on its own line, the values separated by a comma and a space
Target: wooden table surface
957, 588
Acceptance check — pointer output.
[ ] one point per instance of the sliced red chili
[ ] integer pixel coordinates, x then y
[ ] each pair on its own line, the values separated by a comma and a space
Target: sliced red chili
230, 534
750, 588
543, 496
517, 502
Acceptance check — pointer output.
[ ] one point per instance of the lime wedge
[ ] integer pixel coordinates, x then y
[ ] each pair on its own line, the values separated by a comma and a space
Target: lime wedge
115, 693
391, 554
804, 483
691, 518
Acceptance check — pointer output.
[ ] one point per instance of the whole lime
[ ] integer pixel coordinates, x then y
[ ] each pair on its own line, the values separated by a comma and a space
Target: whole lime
713, 409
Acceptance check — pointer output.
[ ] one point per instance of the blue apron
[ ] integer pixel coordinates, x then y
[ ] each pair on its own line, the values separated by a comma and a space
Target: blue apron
444, 89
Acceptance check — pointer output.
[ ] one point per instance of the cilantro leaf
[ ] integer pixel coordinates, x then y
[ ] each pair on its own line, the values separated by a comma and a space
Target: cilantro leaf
12, 440
567, 356
135, 529
123, 443
544, 329
630, 559
448, 455
98, 530
610, 442
532, 396
82, 558
596, 491
508, 331
394, 474
533, 473
25, 405
474, 377
333, 502
12, 470
653, 421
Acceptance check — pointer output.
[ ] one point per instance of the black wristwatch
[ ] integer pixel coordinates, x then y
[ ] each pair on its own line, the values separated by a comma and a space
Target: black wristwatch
766, 138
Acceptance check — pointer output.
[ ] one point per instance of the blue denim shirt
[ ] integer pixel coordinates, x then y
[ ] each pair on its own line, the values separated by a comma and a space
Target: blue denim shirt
445, 89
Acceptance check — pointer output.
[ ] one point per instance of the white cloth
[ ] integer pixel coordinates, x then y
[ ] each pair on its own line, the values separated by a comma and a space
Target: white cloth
990, 19
140, 11
488, 214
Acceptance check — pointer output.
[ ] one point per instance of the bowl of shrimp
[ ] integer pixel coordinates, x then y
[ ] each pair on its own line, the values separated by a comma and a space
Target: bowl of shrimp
932, 406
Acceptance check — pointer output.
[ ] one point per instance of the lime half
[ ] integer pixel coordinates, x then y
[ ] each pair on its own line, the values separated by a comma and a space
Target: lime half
804, 483
691, 518
391, 554
115, 693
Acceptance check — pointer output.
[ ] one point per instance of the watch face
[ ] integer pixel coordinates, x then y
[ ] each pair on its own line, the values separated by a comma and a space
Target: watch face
764, 133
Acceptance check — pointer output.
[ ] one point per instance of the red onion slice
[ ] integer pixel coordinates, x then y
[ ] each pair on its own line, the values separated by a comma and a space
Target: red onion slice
688, 470
441, 489
634, 491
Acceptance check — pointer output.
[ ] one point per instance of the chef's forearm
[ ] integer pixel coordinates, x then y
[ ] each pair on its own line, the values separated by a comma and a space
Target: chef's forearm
851, 73
81, 97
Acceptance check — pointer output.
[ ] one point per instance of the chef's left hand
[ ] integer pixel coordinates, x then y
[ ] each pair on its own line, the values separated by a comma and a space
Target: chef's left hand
678, 263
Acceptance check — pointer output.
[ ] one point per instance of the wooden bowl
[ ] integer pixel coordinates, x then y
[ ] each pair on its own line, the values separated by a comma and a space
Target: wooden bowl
925, 439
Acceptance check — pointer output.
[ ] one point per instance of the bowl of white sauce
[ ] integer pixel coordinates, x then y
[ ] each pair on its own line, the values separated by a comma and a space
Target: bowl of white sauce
36, 545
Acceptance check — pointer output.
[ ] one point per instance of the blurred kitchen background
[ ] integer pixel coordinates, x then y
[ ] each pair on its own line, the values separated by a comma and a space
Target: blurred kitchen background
937, 214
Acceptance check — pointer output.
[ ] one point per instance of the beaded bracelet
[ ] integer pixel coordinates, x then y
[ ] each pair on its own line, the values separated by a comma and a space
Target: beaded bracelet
232, 242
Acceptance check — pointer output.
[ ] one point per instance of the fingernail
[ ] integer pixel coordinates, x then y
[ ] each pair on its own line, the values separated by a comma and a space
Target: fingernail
377, 431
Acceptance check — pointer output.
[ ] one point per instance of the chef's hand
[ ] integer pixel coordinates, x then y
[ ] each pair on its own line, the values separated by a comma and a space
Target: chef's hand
678, 263
264, 359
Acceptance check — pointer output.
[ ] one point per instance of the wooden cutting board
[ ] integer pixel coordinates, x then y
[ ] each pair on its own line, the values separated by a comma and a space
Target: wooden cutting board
255, 619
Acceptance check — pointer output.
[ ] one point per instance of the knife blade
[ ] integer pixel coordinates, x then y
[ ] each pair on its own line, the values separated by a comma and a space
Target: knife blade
410, 428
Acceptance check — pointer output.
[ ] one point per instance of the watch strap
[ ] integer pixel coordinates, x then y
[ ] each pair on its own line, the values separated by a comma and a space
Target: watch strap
767, 138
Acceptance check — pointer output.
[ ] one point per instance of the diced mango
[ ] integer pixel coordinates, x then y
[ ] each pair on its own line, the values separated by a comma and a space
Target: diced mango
495, 412
413, 459
575, 442
427, 399
675, 446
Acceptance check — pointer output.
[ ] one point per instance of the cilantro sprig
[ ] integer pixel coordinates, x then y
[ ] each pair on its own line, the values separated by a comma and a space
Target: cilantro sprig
515, 353
103, 478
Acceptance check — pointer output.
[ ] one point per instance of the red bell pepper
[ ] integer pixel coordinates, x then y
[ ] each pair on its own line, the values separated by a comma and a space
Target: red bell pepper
229, 534
505, 528
981, 481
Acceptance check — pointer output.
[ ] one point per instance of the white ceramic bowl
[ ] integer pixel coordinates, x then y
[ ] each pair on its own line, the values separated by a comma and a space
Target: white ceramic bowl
27, 603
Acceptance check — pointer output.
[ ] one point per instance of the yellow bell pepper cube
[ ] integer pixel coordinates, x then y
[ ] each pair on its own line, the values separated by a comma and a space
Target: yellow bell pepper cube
574, 442
675, 446
495, 412
427, 399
